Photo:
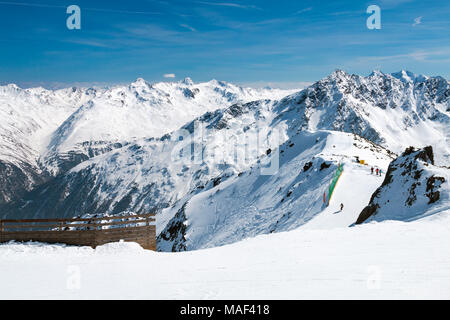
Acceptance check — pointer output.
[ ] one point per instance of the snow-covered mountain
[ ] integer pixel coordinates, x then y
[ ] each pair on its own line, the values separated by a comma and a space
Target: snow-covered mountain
194, 153
250, 204
148, 174
27, 118
413, 188
140, 110
45, 132
395, 111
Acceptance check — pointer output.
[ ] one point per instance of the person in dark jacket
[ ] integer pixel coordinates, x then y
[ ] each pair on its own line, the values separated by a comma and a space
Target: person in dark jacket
342, 206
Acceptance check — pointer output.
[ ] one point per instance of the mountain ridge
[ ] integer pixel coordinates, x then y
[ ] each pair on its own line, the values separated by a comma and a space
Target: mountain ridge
121, 167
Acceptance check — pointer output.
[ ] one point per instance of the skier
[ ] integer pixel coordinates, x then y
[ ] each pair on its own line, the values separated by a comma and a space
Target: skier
380, 172
342, 207
377, 171
371, 170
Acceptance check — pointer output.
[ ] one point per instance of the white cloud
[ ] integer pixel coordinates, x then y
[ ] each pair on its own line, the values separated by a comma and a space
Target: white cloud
170, 75
388, 4
418, 55
417, 21
188, 27
229, 4
304, 10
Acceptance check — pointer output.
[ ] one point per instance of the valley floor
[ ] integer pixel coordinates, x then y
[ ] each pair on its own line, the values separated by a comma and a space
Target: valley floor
389, 260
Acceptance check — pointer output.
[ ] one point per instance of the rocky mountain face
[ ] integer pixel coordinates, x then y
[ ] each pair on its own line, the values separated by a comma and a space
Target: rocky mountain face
413, 188
395, 111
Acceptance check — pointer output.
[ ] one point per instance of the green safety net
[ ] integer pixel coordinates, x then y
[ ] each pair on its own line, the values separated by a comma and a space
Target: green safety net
336, 177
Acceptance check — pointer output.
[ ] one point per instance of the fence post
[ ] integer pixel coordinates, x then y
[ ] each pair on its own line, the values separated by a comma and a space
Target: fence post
1, 231
95, 237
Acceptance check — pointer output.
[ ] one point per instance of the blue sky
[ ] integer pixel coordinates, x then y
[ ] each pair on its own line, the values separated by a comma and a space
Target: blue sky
282, 43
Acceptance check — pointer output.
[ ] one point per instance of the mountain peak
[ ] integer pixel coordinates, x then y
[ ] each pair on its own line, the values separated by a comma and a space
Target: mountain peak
408, 76
377, 73
404, 76
338, 73
10, 88
139, 82
425, 154
187, 81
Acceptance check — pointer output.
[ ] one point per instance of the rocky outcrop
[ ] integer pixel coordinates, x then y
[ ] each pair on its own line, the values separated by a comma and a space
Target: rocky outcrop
413, 188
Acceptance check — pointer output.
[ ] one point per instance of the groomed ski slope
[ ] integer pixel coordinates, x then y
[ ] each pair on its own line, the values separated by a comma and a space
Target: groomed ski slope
354, 189
355, 186
389, 260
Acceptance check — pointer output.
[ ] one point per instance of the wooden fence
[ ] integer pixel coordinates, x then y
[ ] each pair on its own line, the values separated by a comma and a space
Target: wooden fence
91, 232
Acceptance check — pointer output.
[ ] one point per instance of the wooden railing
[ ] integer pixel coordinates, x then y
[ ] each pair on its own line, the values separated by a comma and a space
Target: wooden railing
83, 231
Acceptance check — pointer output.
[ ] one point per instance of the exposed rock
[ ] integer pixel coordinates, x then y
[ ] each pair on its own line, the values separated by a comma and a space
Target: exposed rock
411, 179
324, 165
307, 166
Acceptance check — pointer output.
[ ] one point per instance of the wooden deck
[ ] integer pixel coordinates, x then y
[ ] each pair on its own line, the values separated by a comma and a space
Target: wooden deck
91, 232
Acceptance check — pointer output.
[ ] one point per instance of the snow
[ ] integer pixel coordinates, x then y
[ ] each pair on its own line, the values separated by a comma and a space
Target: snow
29, 116
38, 124
221, 201
250, 204
408, 76
415, 189
143, 110
389, 260
354, 189
250, 236
396, 111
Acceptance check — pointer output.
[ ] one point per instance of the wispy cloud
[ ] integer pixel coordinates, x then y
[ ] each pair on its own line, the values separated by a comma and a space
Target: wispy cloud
42, 5
304, 10
90, 43
186, 26
418, 55
417, 21
229, 4
170, 76
389, 4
